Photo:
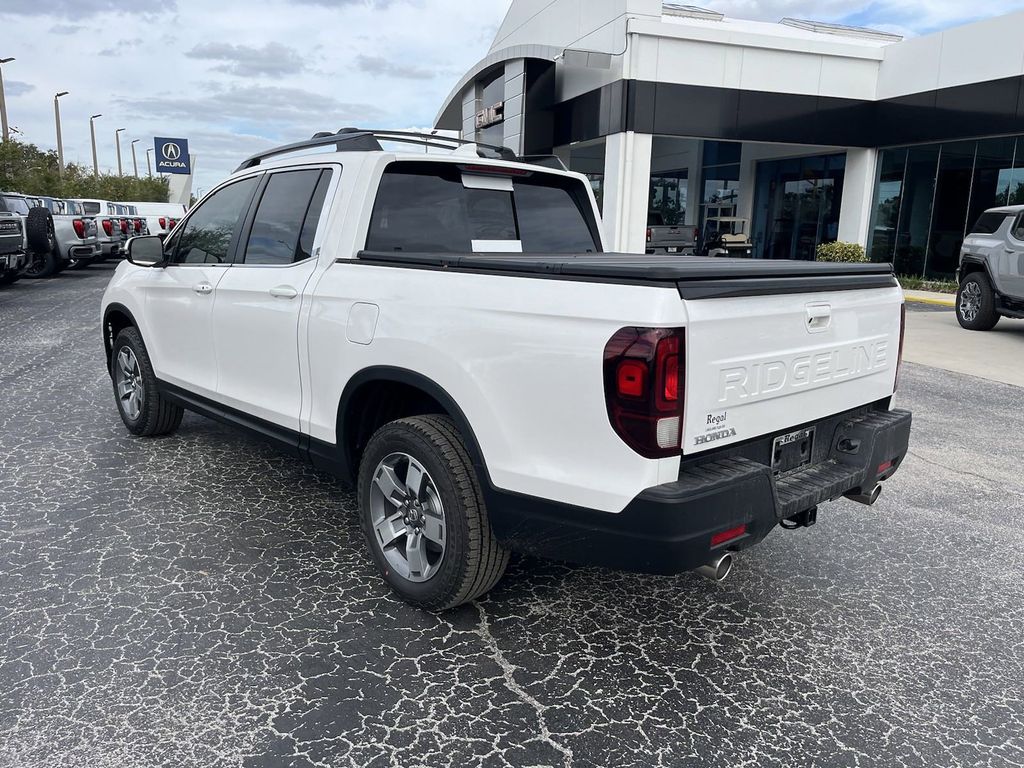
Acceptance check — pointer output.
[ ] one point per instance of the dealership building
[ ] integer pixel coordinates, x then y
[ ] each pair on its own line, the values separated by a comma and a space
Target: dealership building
811, 132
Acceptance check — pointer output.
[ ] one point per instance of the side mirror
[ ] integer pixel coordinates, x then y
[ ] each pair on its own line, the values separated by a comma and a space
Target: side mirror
146, 251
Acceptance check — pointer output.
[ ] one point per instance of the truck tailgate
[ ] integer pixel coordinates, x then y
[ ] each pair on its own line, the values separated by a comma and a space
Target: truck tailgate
765, 364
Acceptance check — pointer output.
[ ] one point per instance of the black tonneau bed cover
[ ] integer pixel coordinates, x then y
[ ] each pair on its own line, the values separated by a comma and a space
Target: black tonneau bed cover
696, 277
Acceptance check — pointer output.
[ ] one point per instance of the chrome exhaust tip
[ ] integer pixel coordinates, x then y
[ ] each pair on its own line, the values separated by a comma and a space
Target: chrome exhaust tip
717, 569
868, 498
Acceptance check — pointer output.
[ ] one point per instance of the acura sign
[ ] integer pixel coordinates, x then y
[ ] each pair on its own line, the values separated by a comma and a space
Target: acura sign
172, 156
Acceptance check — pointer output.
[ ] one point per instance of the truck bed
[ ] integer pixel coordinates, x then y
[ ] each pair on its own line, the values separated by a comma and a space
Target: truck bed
695, 277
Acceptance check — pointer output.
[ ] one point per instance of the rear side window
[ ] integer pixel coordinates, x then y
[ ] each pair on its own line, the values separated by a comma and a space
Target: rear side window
425, 207
988, 223
91, 209
287, 216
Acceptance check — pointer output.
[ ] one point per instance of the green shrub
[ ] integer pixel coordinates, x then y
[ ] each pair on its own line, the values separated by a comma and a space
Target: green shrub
27, 169
845, 252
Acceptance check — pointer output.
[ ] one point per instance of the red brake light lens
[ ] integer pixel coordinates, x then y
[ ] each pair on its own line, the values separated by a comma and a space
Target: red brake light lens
163, 223
79, 226
648, 234
173, 223
108, 227
632, 378
124, 226
644, 382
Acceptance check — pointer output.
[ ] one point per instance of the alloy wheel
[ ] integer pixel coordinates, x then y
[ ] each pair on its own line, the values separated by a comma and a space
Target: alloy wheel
408, 517
130, 388
970, 301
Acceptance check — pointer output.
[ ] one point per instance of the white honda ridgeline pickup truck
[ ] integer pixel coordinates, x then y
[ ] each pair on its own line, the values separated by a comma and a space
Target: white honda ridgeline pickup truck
444, 331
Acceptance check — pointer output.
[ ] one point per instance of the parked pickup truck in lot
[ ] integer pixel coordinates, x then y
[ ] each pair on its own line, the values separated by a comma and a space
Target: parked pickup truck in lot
991, 274
668, 238
108, 227
445, 332
160, 217
12, 246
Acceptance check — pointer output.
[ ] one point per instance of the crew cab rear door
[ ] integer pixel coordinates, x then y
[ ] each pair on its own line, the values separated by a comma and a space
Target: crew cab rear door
763, 364
260, 298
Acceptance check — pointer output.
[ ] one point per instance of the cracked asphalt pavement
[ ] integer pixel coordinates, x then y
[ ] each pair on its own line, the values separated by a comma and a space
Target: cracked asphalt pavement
202, 600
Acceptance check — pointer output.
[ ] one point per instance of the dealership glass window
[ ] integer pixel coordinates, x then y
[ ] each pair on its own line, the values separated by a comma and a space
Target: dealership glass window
588, 159
993, 174
720, 185
916, 210
668, 196
892, 165
949, 214
796, 205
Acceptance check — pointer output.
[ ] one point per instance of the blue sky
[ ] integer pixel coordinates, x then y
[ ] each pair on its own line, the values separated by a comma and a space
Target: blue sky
235, 76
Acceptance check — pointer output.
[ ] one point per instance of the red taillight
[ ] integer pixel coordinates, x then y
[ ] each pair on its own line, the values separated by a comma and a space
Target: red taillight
730, 535
108, 227
903, 333
163, 223
124, 226
79, 226
644, 382
138, 225
632, 378
172, 223
885, 466
648, 234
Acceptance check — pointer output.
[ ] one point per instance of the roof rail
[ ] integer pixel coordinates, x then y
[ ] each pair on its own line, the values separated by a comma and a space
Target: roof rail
367, 140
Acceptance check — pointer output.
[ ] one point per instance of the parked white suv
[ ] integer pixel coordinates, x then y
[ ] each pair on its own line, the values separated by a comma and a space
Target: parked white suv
991, 272
445, 332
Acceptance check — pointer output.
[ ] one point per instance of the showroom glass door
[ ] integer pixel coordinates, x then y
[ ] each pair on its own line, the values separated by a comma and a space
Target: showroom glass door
796, 205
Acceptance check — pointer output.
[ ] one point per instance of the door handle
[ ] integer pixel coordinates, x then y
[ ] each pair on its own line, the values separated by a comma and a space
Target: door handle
284, 292
203, 288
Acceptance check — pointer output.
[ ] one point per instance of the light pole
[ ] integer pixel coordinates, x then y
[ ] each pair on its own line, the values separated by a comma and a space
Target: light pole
117, 141
3, 102
60, 140
135, 160
92, 135
149, 165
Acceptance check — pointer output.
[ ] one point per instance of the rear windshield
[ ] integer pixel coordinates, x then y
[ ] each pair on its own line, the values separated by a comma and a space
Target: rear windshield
988, 223
425, 207
91, 209
16, 205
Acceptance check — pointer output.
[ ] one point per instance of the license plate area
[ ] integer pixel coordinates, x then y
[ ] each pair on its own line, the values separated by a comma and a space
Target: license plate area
792, 451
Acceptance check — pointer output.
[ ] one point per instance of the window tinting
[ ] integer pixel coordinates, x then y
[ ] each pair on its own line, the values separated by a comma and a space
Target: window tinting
274, 238
91, 209
425, 207
988, 223
316, 208
551, 219
206, 237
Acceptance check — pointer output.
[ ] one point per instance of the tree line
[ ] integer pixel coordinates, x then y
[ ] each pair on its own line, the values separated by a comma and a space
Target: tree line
29, 170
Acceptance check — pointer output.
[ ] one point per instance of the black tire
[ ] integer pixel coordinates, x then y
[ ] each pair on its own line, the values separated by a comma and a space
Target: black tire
473, 560
39, 230
156, 415
41, 264
976, 303
9, 277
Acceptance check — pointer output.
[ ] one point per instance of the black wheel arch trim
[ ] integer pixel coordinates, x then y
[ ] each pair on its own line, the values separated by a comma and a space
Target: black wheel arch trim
337, 457
108, 341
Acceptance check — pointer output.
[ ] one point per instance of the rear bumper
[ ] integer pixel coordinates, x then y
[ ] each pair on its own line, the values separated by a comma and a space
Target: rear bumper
12, 262
108, 248
90, 251
667, 529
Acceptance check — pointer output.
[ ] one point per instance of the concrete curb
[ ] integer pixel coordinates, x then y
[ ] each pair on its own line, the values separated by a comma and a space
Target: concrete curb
951, 302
